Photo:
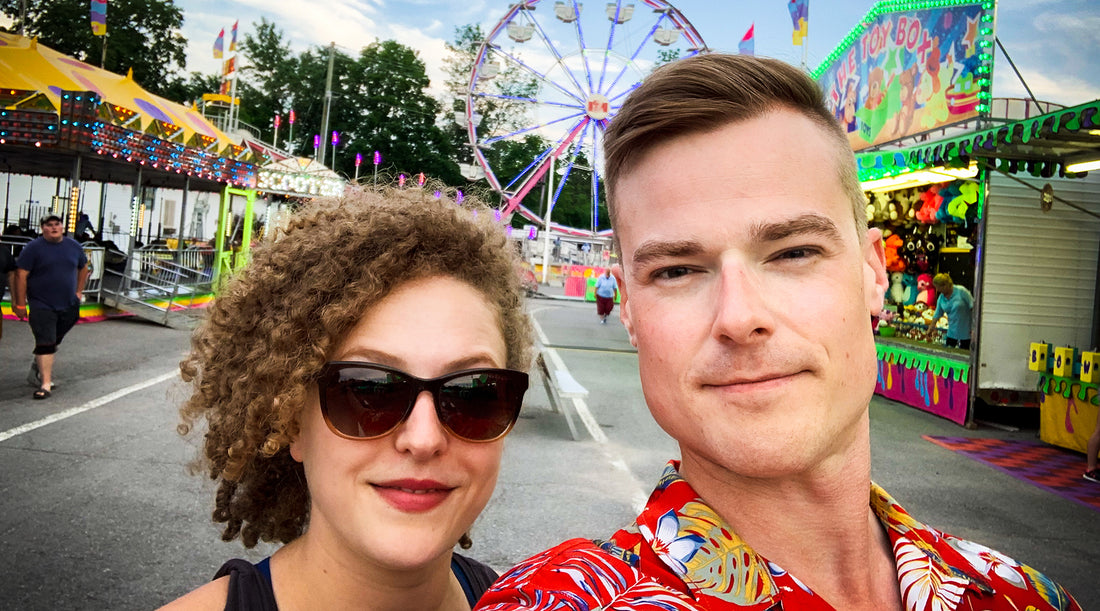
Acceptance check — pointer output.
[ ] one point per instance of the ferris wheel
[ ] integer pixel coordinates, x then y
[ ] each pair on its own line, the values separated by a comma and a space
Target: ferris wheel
579, 65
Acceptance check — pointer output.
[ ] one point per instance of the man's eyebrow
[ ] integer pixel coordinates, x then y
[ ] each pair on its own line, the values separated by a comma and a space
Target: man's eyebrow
806, 224
651, 250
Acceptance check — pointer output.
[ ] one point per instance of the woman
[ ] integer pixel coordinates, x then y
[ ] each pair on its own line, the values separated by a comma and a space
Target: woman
957, 303
357, 379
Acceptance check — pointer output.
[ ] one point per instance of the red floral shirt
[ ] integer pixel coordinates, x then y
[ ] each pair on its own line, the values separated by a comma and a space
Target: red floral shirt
680, 555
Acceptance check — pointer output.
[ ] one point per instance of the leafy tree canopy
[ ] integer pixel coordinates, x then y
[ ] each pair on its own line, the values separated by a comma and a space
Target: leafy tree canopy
141, 34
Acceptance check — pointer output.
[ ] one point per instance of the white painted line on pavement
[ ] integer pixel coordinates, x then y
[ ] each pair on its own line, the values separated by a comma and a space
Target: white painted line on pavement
638, 497
94, 403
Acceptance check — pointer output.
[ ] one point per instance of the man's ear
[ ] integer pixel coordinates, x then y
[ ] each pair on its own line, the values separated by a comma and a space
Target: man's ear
624, 303
875, 279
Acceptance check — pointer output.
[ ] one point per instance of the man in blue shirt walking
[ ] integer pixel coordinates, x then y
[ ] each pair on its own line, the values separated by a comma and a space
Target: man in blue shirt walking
52, 270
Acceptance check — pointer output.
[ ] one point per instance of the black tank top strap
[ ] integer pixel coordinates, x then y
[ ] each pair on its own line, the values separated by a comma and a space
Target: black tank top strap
249, 587
474, 576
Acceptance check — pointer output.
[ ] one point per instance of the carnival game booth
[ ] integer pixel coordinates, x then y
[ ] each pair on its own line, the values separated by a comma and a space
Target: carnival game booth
996, 193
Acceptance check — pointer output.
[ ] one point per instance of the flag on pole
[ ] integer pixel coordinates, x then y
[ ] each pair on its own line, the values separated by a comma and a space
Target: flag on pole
233, 38
219, 44
229, 67
800, 19
747, 46
224, 88
99, 17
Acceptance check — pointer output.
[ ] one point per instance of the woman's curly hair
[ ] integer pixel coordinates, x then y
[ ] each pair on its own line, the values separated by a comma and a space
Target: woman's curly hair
255, 358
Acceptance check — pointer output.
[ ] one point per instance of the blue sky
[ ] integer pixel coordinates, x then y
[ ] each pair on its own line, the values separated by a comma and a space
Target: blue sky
1053, 42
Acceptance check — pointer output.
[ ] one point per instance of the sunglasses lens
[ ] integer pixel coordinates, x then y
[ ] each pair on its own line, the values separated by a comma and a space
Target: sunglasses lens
481, 406
365, 402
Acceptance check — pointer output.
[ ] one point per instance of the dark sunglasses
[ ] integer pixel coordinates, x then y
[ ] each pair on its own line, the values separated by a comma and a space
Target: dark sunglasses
364, 400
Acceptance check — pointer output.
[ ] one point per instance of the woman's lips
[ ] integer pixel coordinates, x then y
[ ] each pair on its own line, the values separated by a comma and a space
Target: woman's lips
413, 495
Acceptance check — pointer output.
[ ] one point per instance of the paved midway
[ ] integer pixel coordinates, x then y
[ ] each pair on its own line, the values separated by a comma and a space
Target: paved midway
98, 511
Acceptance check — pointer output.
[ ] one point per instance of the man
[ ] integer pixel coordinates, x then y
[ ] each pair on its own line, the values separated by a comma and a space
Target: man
607, 290
7, 277
52, 270
957, 303
748, 280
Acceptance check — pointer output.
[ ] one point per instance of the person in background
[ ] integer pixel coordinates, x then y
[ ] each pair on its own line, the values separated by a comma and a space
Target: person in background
1092, 473
84, 229
957, 304
7, 278
52, 270
748, 280
607, 290
357, 380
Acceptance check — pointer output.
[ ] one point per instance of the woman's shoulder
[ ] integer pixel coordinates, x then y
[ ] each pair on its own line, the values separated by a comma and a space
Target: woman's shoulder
211, 595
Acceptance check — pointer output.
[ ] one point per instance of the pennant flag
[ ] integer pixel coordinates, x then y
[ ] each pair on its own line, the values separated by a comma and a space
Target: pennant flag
219, 44
233, 38
229, 67
800, 19
99, 17
747, 46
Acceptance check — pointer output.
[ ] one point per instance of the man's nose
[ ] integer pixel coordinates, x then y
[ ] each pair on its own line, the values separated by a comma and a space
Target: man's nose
742, 309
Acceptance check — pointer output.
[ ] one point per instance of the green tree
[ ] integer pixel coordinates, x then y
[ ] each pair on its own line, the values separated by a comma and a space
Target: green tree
306, 91
268, 69
141, 34
389, 106
190, 89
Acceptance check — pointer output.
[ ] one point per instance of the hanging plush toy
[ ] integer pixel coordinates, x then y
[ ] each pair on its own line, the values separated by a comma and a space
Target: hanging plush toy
910, 282
881, 202
892, 246
960, 204
899, 293
930, 206
907, 199
926, 293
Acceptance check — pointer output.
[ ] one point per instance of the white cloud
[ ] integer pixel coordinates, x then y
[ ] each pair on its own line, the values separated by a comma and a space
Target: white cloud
431, 49
1061, 88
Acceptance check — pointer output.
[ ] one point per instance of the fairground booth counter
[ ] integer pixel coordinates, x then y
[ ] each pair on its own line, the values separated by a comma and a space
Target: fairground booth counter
81, 125
994, 192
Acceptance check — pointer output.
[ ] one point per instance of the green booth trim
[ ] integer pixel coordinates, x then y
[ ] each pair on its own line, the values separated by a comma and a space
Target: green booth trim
1057, 385
1006, 140
943, 366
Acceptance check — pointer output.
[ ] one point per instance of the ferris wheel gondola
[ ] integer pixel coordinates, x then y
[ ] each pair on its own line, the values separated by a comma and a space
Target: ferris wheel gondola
584, 63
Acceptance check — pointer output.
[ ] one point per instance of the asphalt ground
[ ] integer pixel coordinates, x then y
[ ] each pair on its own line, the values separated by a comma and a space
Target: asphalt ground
98, 510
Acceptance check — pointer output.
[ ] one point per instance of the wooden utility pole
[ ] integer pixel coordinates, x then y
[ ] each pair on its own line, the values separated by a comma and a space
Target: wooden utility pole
320, 153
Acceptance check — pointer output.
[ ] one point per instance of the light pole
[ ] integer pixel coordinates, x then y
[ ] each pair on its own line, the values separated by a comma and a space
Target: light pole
290, 137
358, 162
335, 141
377, 160
549, 206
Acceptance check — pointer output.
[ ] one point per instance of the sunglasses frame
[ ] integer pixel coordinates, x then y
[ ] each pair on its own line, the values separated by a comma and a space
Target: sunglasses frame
332, 369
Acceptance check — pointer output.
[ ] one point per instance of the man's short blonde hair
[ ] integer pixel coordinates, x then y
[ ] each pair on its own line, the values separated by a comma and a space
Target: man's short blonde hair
706, 92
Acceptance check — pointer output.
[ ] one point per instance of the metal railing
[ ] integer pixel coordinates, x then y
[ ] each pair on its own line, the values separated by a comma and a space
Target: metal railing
151, 277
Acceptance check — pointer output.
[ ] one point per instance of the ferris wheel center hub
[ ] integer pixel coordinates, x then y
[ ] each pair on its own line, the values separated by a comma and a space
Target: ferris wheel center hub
598, 107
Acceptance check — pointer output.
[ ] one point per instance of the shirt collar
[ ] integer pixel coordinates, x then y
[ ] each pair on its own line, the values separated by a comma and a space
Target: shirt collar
696, 544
